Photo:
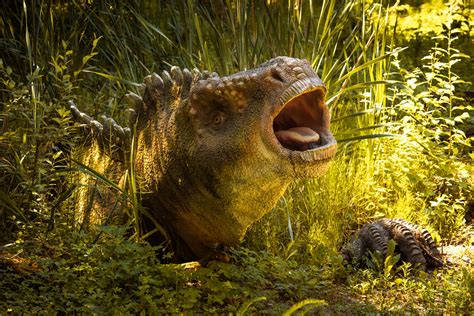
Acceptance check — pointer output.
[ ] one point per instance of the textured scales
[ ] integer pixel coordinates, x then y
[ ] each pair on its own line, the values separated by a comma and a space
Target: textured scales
214, 154
414, 243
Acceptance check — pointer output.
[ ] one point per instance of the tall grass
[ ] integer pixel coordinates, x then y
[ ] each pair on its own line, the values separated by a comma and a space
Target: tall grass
94, 51
316, 216
349, 45
356, 70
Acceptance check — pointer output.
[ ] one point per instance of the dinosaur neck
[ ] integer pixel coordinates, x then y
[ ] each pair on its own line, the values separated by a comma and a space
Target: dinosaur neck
193, 190
191, 206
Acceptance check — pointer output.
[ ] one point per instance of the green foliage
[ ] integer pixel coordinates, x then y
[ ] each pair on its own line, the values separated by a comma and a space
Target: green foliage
444, 293
418, 28
93, 51
424, 174
117, 276
37, 135
433, 142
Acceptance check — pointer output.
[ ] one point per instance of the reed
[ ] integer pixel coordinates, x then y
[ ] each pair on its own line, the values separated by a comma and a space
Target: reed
93, 52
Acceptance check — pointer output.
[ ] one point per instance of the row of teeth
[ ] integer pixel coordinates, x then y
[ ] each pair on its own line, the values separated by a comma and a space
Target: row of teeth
320, 154
299, 87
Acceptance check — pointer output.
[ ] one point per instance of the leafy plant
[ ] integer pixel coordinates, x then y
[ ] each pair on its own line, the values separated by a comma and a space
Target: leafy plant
404, 152
420, 173
432, 116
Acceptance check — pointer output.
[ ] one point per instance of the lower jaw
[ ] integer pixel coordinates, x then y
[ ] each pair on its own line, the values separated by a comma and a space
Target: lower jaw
312, 163
308, 170
321, 153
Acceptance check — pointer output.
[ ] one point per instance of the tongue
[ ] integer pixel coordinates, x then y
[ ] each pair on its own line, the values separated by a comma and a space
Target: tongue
297, 138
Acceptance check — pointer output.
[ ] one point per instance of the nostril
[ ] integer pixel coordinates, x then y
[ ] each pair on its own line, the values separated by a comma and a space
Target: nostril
276, 75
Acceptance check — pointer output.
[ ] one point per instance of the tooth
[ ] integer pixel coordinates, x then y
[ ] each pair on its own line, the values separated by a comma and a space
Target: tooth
301, 76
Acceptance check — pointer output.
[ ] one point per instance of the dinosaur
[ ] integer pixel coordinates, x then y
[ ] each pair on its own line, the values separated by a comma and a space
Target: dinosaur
213, 154
414, 243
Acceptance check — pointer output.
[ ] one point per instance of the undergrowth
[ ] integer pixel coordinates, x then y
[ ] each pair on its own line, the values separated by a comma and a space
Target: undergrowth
405, 150
118, 276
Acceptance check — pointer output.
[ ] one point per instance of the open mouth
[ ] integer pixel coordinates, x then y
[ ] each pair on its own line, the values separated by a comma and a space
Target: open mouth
302, 123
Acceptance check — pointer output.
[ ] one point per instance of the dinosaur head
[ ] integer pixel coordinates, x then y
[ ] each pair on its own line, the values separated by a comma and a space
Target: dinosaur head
214, 154
274, 113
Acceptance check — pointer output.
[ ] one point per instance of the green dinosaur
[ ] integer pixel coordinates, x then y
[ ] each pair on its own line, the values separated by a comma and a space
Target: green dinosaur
214, 154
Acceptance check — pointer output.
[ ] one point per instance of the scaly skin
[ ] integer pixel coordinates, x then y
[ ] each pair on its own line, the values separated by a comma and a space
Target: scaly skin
213, 155
414, 244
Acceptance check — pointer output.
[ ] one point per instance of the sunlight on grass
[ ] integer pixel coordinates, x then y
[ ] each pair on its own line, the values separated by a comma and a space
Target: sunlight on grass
398, 88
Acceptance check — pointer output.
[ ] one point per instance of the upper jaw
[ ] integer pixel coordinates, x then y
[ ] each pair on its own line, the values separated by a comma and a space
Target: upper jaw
300, 123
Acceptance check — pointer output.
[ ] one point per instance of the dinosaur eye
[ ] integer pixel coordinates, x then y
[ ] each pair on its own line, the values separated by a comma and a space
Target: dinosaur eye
218, 119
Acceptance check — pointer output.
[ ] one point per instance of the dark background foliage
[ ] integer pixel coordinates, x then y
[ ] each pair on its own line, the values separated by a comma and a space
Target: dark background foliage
399, 87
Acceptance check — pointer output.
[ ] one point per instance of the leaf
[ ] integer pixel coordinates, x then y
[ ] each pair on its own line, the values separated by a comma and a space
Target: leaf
11, 205
57, 120
369, 63
94, 43
57, 154
354, 115
86, 58
107, 76
94, 174
391, 247
309, 301
246, 305
362, 85
63, 112
362, 137
460, 55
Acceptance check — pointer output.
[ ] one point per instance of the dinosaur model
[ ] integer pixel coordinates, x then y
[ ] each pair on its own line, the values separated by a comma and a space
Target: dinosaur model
213, 154
413, 243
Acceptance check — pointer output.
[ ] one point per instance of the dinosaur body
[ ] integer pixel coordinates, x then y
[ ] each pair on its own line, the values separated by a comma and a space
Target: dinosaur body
214, 154
414, 243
